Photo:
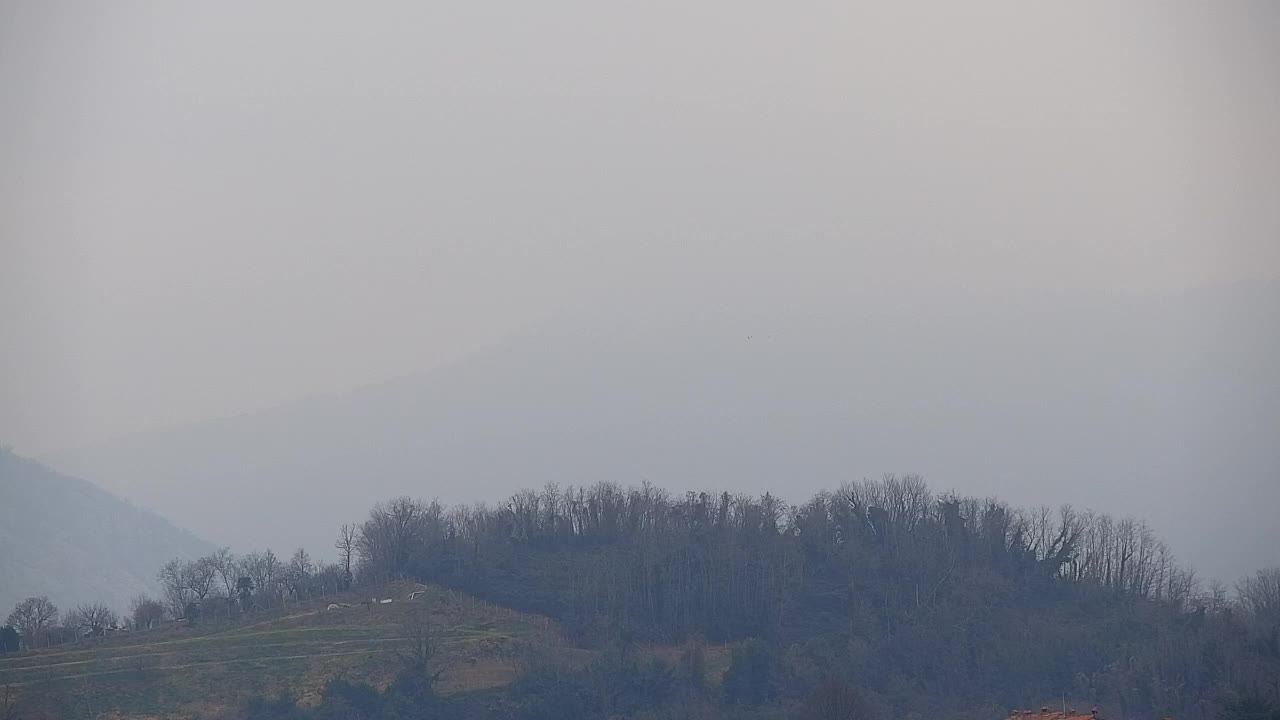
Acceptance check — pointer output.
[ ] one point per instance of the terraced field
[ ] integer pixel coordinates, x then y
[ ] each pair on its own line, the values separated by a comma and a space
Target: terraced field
194, 672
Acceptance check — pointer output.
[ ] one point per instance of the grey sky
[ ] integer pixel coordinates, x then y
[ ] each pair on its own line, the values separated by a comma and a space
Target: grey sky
207, 208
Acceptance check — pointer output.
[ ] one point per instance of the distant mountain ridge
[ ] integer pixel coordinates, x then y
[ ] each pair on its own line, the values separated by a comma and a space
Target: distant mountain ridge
75, 542
1152, 406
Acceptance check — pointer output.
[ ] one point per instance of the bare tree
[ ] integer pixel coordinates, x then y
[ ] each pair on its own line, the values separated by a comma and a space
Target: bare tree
395, 532
173, 582
300, 564
298, 573
92, 619
228, 568
1260, 594
32, 616
328, 578
418, 659
201, 576
187, 581
265, 573
347, 546
146, 612
271, 571
253, 566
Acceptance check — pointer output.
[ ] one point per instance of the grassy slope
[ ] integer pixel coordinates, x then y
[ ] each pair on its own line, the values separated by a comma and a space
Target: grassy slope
191, 672
186, 673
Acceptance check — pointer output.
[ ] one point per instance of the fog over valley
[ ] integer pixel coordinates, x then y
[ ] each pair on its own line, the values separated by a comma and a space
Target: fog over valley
1163, 408
489, 360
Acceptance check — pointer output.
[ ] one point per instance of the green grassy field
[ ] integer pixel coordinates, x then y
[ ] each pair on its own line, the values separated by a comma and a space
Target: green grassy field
194, 672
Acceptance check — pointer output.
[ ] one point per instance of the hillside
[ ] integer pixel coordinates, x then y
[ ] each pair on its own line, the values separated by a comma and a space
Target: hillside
218, 668
875, 600
68, 539
924, 601
983, 396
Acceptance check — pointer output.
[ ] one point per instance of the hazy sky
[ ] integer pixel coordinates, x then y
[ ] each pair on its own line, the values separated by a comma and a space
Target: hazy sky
207, 208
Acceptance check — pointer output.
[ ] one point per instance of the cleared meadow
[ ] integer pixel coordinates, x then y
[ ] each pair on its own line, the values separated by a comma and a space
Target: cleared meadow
189, 671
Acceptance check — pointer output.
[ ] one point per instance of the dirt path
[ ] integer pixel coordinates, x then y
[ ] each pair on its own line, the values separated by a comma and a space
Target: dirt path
209, 663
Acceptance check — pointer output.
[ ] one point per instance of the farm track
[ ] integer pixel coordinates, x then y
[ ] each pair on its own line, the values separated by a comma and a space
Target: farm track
208, 663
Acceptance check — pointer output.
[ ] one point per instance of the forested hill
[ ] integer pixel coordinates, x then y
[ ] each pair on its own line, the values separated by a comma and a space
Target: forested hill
68, 539
876, 600
926, 602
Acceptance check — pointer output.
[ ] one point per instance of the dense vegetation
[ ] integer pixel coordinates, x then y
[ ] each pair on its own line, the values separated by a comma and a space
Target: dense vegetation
880, 598
920, 602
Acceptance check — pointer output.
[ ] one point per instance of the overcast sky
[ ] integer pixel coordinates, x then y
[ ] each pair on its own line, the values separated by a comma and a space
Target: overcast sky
209, 208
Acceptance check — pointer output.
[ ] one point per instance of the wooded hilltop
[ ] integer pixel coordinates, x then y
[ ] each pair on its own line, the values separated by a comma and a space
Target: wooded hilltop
881, 598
